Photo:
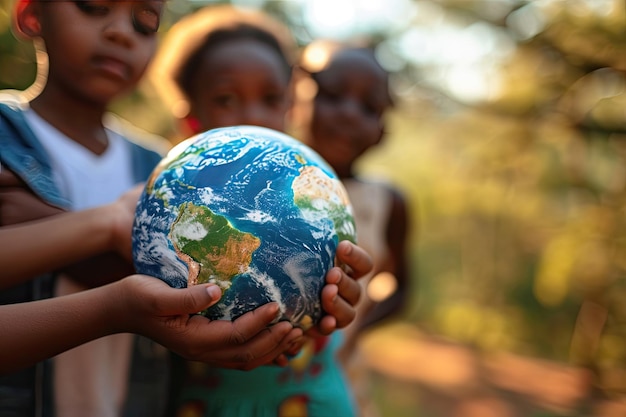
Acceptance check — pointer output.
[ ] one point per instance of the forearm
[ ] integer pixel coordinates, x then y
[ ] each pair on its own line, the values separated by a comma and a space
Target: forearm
37, 330
32, 248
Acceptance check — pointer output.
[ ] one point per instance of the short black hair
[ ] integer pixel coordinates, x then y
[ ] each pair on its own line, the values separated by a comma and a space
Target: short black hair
186, 73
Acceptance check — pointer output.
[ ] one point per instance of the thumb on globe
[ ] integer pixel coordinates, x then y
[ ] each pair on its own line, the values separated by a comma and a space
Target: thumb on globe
197, 298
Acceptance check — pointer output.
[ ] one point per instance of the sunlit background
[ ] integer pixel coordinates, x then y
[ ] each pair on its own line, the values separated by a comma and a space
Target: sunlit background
509, 140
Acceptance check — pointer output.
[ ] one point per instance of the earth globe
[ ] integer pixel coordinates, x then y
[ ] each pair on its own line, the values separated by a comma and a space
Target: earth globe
250, 209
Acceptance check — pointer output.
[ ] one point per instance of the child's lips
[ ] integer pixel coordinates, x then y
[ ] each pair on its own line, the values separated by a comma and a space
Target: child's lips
113, 67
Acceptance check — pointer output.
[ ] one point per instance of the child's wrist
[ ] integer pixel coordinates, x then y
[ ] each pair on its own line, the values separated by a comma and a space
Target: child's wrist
113, 216
115, 307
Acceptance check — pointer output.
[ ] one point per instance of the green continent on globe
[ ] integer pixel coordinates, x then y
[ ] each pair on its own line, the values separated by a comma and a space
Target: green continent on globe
317, 194
212, 248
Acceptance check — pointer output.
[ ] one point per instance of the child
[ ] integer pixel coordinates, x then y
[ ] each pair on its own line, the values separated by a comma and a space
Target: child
65, 159
344, 120
228, 67
250, 84
57, 156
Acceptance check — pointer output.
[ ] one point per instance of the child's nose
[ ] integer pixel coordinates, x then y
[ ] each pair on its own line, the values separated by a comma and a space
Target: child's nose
119, 27
254, 114
350, 108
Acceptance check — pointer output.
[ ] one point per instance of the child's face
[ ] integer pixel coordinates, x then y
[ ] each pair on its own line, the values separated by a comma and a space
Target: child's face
347, 113
241, 82
98, 49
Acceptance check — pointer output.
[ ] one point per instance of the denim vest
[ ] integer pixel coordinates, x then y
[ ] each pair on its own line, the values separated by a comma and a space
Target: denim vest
22, 153
27, 393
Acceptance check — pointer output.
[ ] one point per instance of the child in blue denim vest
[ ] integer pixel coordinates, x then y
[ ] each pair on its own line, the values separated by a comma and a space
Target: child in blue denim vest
58, 154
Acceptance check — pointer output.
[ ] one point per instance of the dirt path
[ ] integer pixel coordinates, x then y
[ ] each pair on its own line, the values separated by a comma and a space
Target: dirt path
453, 380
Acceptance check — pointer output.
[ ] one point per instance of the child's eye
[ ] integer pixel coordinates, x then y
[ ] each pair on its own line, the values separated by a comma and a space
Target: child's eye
328, 93
146, 19
273, 100
91, 8
225, 100
369, 108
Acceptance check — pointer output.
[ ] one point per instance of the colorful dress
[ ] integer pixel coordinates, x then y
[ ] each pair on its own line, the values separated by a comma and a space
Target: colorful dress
313, 385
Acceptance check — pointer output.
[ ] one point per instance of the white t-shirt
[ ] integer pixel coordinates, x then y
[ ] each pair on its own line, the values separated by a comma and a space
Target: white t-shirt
89, 380
84, 178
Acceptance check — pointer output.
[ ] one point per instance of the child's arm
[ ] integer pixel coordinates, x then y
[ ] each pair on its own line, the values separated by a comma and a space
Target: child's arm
139, 304
34, 247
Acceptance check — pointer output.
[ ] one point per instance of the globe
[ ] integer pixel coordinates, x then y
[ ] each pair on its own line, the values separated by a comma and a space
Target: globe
250, 209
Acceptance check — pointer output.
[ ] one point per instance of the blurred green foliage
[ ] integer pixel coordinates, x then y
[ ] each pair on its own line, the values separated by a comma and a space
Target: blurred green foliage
520, 198
17, 58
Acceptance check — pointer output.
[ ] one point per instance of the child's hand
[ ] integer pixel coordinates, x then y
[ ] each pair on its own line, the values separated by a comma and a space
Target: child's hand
166, 315
342, 292
123, 211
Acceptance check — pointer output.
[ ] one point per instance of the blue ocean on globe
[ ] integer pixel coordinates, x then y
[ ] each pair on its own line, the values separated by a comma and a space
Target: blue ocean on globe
250, 209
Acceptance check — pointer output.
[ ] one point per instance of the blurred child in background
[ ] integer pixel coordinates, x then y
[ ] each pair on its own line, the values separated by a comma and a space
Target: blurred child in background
225, 66
220, 67
343, 94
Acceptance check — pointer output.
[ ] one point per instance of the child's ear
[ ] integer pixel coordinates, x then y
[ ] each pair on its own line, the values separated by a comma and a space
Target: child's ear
26, 19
